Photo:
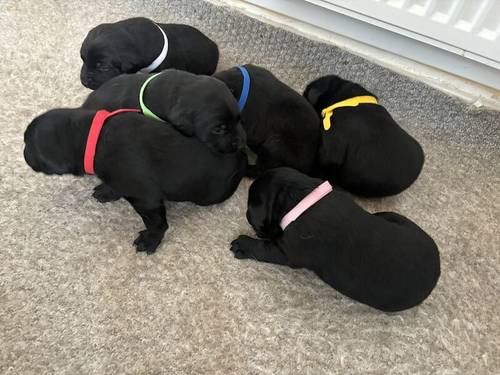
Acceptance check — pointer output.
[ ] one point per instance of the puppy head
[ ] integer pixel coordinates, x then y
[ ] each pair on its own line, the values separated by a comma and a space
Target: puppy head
207, 110
99, 64
329, 89
112, 49
272, 195
48, 143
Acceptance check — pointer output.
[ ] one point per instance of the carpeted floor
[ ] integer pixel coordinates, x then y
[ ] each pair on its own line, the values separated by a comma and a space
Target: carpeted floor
75, 298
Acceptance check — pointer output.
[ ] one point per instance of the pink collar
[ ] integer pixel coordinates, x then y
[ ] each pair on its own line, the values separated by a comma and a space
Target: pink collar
309, 200
94, 132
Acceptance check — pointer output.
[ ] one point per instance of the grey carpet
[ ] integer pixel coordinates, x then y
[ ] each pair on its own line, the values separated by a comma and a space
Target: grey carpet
75, 298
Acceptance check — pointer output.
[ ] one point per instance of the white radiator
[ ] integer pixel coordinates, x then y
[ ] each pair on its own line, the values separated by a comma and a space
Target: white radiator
457, 36
472, 26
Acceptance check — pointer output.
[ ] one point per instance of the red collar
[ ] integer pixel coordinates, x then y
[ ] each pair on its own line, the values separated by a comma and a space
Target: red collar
93, 137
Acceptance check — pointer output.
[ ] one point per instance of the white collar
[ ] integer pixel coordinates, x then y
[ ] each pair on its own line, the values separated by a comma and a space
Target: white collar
161, 57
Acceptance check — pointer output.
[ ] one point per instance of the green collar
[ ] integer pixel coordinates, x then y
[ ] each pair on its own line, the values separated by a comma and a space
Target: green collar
145, 110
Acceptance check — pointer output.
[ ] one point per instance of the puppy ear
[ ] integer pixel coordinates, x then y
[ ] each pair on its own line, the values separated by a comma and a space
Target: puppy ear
324, 85
261, 214
181, 118
126, 66
312, 94
316, 89
274, 212
129, 51
129, 62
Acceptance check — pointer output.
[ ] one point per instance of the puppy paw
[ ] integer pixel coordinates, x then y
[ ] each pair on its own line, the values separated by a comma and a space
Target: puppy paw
148, 241
103, 193
241, 246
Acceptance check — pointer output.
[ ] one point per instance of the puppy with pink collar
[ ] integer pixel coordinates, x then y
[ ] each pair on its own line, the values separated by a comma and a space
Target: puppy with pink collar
383, 260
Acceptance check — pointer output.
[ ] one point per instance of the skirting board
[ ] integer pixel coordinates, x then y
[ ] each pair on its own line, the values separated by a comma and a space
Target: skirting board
457, 75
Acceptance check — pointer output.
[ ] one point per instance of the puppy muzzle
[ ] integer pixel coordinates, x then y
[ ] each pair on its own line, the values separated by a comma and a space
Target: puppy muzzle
30, 160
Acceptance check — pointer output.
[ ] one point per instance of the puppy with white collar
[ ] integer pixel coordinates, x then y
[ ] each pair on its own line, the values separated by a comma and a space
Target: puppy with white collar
139, 44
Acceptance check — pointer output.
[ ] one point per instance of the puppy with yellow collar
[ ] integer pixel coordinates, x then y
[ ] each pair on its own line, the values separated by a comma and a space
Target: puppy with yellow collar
362, 149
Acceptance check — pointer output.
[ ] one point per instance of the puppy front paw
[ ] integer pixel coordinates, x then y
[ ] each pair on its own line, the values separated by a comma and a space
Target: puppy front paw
148, 241
104, 194
241, 247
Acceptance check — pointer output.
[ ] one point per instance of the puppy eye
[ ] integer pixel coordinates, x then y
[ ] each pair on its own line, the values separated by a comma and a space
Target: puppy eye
102, 67
220, 129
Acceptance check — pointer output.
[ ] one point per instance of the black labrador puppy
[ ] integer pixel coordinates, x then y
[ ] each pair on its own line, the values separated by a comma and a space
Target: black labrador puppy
282, 128
383, 260
198, 106
364, 150
143, 160
139, 44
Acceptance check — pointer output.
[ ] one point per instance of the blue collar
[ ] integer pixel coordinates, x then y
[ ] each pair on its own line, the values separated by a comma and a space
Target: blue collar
246, 87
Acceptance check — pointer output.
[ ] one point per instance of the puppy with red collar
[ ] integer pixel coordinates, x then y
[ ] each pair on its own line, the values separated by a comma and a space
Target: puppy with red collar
143, 160
383, 260
141, 45
362, 148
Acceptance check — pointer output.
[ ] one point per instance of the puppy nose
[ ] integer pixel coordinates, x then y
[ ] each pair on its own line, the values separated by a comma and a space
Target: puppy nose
30, 161
85, 81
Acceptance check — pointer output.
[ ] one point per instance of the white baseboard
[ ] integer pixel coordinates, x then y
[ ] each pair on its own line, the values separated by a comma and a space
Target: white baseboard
285, 14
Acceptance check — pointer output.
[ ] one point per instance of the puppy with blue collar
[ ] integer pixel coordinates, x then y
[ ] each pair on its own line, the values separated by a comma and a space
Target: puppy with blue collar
282, 128
141, 45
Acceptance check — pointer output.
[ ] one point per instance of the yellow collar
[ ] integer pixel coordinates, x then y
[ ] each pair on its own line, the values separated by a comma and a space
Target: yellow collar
351, 102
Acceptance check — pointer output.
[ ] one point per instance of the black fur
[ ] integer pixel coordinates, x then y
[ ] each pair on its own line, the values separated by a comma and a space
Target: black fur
281, 126
383, 260
365, 151
142, 160
198, 106
130, 45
